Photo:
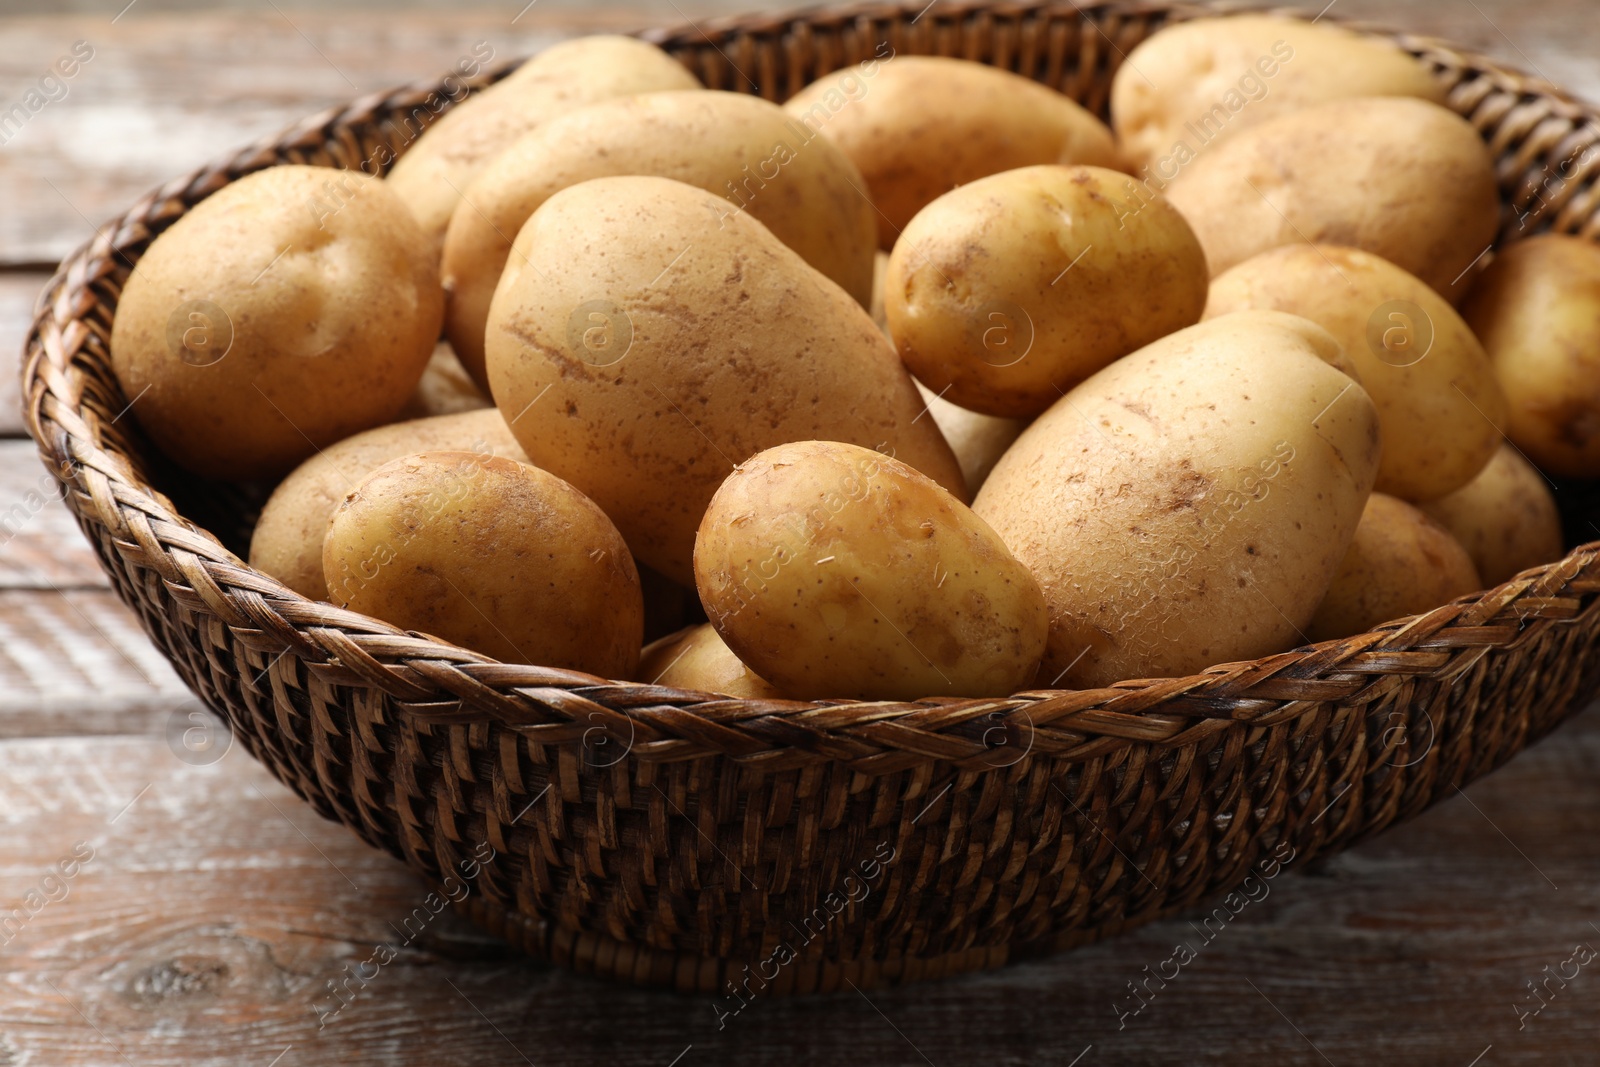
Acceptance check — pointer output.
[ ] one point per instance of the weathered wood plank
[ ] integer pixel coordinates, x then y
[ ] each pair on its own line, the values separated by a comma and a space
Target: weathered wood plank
41, 546
166, 92
17, 294
216, 909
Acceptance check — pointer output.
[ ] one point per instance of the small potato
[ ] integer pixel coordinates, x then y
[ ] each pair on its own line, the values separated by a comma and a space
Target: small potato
697, 658
1194, 83
1398, 177
431, 176
287, 542
918, 126
674, 342
493, 555
1439, 404
1537, 310
977, 440
1189, 504
1506, 518
834, 571
286, 311
742, 148
1003, 294
445, 389
1400, 563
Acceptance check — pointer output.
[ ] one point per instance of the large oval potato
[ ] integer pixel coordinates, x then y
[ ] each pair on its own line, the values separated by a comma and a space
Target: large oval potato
697, 658
1398, 177
834, 571
1400, 563
742, 148
1004, 293
287, 540
1506, 518
1537, 310
493, 555
433, 173
1195, 83
1439, 405
1189, 504
287, 310
667, 349
918, 126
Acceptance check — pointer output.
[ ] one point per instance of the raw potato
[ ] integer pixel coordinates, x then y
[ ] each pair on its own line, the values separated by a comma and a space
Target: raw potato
1398, 177
1506, 518
286, 311
1189, 504
918, 126
1537, 309
739, 147
445, 389
1003, 294
697, 658
287, 542
1439, 404
668, 348
977, 440
1197, 82
834, 571
1401, 563
437, 169
493, 555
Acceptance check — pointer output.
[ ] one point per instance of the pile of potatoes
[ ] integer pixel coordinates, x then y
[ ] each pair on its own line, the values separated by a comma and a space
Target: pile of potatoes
927, 383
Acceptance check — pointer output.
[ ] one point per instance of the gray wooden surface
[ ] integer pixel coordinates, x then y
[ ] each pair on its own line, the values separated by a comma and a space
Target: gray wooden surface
216, 907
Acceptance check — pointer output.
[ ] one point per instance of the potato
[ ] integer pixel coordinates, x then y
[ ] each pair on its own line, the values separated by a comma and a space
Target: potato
1195, 83
431, 176
977, 440
697, 658
918, 126
1401, 563
742, 148
493, 555
1004, 293
657, 349
286, 311
287, 542
1189, 504
834, 571
445, 389
1439, 405
1537, 310
1506, 518
1400, 178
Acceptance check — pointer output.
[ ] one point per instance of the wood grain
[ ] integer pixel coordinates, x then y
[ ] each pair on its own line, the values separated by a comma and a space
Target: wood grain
217, 908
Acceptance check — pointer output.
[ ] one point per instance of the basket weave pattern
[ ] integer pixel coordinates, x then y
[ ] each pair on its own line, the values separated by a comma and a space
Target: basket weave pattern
670, 837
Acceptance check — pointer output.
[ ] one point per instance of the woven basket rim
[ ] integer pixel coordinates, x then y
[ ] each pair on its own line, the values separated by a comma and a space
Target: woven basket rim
457, 685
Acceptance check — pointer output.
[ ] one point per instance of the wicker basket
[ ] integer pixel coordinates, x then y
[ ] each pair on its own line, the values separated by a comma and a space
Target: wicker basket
673, 837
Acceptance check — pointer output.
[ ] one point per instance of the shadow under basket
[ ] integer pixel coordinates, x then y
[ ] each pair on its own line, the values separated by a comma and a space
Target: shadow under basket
676, 838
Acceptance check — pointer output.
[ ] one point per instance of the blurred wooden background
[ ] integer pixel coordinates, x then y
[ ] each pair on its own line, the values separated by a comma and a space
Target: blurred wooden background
216, 908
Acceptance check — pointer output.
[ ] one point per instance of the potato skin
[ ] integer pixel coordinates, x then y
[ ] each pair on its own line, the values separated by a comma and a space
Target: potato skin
673, 348
1401, 563
1537, 310
918, 126
286, 311
697, 658
1189, 504
493, 555
1004, 293
431, 176
1506, 518
1439, 404
834, 571
796, 183
445, 388
977, 440
1398, 177
1200, 81
287, 540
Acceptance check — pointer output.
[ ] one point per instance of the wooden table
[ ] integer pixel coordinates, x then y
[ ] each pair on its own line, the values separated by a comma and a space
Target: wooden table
162, 910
